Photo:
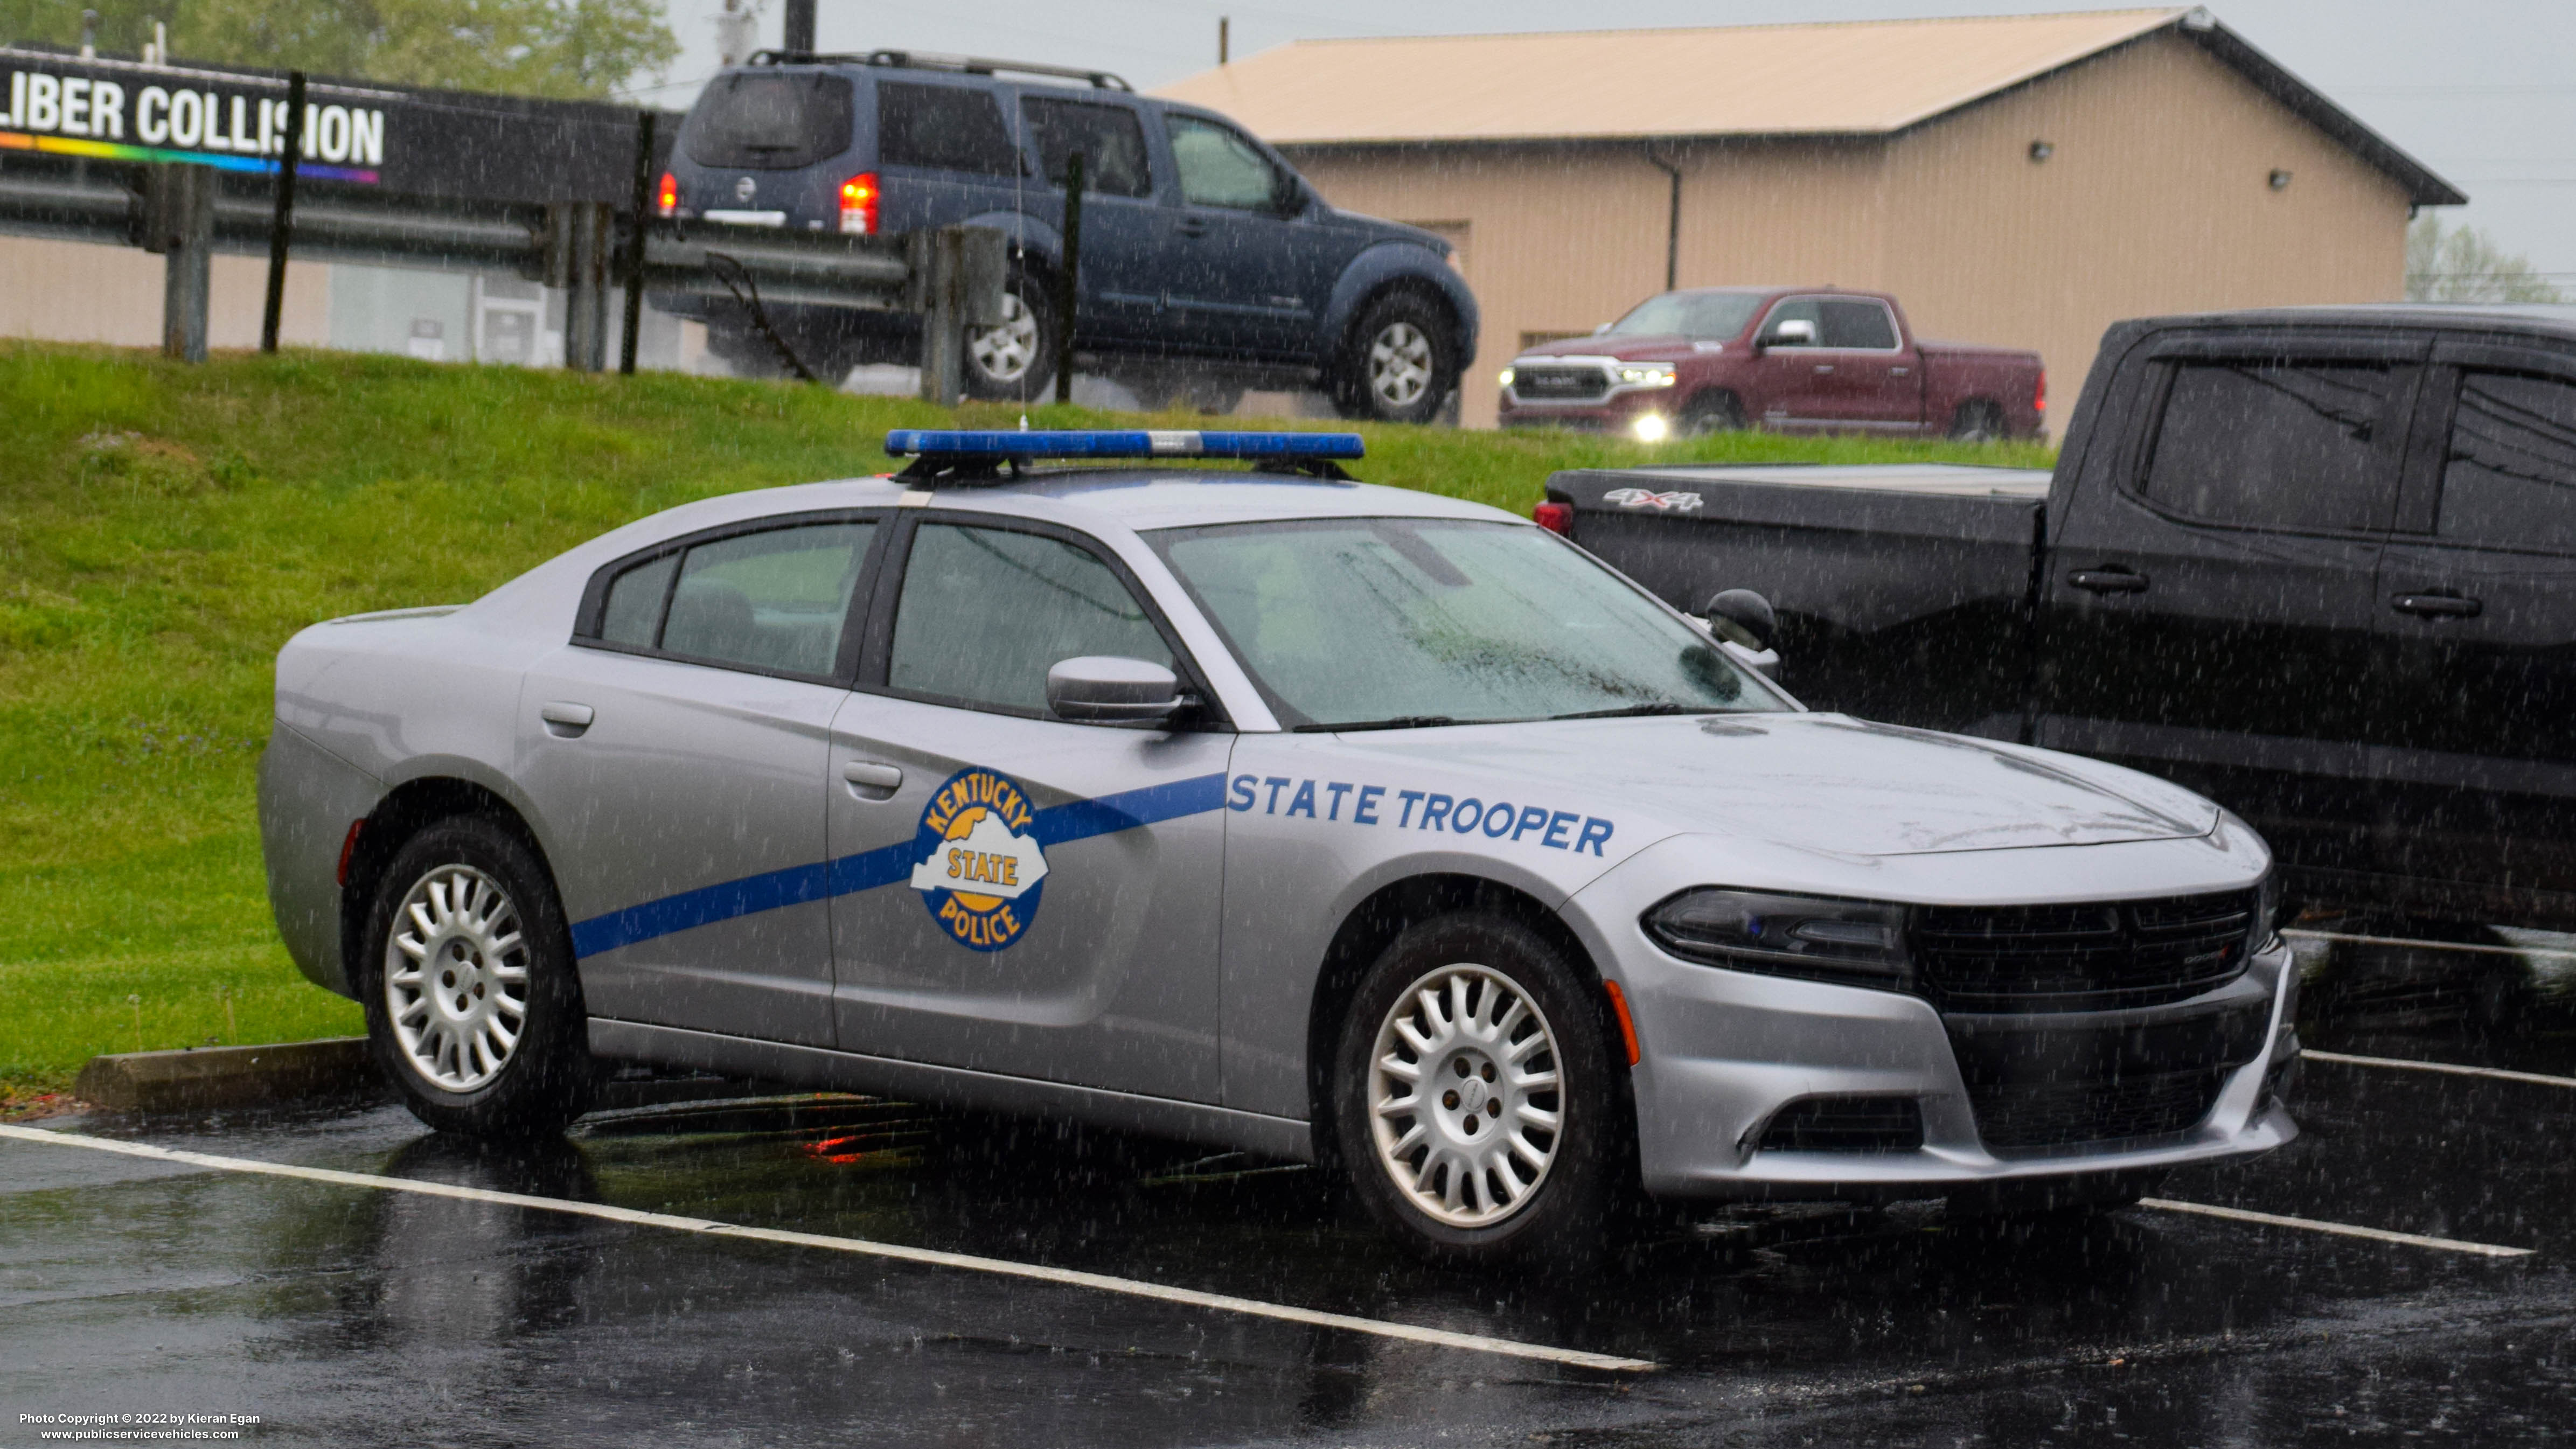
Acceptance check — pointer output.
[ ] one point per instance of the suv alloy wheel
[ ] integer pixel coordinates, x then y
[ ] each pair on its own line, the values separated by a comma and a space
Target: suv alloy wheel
1401, 363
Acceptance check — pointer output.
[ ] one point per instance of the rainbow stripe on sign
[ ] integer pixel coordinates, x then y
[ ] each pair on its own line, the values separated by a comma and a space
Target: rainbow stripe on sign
119, 151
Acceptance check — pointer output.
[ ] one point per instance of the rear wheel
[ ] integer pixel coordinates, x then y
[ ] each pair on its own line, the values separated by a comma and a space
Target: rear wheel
1401, 362
1977, 422
1474, 1108
474, 1012
1014, 361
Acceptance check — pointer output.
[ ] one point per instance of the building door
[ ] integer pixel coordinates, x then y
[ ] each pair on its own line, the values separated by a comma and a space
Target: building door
2208, 611
2476, 612
1016, 894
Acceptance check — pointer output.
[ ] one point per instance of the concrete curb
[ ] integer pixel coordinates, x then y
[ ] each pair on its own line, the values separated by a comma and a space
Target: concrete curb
197, 1078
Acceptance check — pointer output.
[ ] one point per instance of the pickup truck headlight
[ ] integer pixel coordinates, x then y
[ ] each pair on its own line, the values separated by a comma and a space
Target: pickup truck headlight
1857, 943
1645, 374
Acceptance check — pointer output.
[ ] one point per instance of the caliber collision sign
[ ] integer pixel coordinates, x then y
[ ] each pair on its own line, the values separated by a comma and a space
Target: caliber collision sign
434, 143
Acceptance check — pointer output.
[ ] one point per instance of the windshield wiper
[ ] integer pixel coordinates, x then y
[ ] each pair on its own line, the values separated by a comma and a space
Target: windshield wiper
1399, 722
1661, 706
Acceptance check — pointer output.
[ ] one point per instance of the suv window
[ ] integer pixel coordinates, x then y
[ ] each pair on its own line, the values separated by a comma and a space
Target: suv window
945, 128
1110, 138
1218, 167
986, 612
1856, 323
776, 600
2274, 444
770, 122
2510, 478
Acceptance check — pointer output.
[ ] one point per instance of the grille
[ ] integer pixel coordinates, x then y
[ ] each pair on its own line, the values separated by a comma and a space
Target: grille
2090, 957
2025, 1116
1846, 1124
1558, 384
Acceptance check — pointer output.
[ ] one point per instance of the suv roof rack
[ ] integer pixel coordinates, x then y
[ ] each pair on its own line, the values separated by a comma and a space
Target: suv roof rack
926, 60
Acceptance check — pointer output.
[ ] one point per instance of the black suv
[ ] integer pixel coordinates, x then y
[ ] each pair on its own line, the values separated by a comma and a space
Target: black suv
1207, 263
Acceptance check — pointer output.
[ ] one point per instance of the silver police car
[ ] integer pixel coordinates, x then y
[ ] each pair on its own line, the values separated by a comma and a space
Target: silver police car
1260, 808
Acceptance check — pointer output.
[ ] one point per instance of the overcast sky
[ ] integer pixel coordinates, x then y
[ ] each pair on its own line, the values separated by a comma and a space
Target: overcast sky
2483, 91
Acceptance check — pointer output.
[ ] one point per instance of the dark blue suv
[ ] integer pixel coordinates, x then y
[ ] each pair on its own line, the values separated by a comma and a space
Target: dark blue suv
1207, 263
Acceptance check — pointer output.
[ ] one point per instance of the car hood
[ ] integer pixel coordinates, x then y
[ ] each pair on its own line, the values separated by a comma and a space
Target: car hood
1626, 349
1824, 783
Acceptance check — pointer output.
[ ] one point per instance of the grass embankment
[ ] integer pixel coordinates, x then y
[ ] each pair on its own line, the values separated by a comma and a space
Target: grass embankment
163, 529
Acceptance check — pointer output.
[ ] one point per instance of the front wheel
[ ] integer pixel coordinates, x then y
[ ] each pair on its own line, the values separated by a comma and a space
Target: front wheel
1401, 364
474, 1012
1474, 1106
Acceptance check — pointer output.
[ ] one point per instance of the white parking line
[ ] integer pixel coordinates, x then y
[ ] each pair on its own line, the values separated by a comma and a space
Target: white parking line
928, 1257
2346, 1230
2448, 1069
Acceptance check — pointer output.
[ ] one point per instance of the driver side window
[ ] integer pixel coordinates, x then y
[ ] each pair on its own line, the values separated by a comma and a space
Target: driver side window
1218, 167
986, 612
1796, 309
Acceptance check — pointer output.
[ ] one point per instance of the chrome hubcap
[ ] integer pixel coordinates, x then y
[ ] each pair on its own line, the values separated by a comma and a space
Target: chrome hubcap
1400, 365
1004, 353
456, 978
1465, 1105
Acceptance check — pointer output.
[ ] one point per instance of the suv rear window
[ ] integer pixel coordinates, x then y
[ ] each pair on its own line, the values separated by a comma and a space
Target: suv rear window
944, 128
1110, 138
770, 122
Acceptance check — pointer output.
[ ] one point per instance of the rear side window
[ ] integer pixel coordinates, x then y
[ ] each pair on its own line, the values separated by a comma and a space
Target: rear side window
777, 601
1218, 167
2274, 444
944, 128
1856, 324
986, 612
2510, 479
770, 122
1110, 138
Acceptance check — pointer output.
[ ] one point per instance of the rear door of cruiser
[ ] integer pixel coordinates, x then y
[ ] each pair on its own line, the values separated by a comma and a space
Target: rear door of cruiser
2476, 613
1015, 894
2207, 612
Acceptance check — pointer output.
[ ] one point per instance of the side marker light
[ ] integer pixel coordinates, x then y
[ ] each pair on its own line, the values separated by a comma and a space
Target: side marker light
1627, 1024
349, 847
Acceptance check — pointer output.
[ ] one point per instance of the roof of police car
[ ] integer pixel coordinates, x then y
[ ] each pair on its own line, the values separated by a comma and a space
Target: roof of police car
1141, 499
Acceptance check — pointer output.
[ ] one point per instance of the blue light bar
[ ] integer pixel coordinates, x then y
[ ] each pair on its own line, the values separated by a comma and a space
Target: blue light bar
941, 443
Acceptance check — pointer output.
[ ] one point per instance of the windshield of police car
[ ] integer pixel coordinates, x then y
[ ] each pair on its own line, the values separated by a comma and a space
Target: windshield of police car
1402, 621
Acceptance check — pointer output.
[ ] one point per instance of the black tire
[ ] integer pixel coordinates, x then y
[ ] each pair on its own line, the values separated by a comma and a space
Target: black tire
1977, 422
1015, 362
543, 1079
1573, 1207
1400, 363
1712, 412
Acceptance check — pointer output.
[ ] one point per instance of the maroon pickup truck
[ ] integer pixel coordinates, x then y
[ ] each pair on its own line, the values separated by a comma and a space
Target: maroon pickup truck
1793, 359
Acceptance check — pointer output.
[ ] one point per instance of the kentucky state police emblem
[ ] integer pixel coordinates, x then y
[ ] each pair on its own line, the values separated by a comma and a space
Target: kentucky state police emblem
979, 868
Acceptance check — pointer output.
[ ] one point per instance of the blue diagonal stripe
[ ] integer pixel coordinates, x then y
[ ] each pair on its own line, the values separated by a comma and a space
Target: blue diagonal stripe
886, 865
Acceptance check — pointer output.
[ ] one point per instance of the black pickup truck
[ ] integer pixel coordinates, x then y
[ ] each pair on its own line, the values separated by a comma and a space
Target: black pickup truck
2317, 563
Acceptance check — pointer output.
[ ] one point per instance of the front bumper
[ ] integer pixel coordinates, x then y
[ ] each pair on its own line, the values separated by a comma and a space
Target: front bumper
1615, 413
1724, 1054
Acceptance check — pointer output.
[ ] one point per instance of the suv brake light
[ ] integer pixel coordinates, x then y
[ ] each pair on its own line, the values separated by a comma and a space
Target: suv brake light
859, 197
2039, 394
1555, 517
666, 197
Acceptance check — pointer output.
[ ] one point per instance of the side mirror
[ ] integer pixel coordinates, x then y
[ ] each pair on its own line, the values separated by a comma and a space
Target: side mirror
1291, 199
1743, 617
1604, 327
1796, 332
1107, 689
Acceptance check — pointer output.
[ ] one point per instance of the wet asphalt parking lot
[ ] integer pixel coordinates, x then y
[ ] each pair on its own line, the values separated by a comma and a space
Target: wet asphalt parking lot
343, 1312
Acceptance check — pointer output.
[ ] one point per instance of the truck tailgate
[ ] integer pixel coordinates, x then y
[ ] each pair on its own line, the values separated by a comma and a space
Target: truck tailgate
1900, 587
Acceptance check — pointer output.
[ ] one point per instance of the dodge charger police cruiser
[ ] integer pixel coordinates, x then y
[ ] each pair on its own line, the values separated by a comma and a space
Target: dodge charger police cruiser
1261, 808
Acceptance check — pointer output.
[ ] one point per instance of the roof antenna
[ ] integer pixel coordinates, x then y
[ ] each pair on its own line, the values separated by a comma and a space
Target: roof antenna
1024, 422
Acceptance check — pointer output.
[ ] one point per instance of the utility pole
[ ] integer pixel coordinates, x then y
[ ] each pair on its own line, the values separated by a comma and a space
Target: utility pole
800, 27
1224, 27
737, 32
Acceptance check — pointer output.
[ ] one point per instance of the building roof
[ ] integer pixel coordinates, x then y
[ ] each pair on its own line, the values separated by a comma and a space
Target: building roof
1858, 78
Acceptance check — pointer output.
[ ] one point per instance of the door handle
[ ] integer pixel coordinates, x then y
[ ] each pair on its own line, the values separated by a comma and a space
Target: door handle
871, 781
564, 719
1899, 371
1824, 367
1193, 226
2108, 581
2437, 606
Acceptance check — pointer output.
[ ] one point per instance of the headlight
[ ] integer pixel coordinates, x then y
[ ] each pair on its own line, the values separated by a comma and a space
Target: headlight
1646, 374
2267, 915
1859, 943
1508, 375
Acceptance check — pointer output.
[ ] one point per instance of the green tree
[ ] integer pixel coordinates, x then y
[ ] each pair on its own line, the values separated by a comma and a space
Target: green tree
559, 48
2463, 264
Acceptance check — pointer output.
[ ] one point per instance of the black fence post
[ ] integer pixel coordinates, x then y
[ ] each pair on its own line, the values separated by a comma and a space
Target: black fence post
634, 320
284, 216
1067, 290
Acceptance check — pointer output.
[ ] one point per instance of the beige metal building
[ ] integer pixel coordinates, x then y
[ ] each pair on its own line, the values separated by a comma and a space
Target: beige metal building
2016, 180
